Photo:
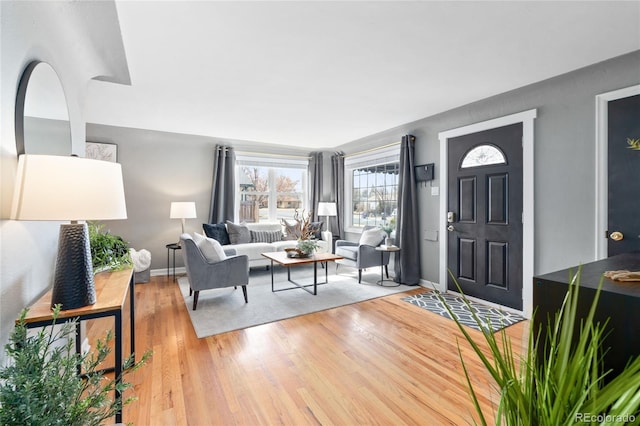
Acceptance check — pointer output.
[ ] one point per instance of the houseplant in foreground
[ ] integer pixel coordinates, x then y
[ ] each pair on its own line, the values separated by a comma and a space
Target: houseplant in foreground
41, 386
565, 386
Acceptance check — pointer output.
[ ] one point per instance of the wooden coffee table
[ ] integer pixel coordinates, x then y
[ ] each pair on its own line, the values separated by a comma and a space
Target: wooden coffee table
280, 257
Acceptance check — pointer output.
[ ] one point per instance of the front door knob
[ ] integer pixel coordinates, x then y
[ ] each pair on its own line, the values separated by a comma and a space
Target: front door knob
616, 236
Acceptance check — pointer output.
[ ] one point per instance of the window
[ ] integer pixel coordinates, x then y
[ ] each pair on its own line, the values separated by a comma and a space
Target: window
269, 189
372, 187
483, 155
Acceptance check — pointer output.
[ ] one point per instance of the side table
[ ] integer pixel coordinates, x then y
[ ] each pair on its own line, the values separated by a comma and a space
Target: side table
172, 247
112, 290
383, 250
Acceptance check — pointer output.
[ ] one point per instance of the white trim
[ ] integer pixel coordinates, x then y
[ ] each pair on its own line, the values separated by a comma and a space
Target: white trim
602, 173
272, 161
527, 120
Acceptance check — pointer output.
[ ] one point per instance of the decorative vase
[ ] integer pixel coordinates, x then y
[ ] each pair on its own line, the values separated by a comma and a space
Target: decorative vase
388, 241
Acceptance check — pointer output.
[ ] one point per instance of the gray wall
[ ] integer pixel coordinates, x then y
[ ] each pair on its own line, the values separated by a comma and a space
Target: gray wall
159, 168
564, 162
80, 40
162, 167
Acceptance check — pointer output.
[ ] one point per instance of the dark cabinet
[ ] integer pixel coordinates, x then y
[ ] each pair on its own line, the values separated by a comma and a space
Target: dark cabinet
619, 301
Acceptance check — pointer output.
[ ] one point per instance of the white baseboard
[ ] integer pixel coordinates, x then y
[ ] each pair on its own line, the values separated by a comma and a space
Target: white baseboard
431, 285
163, 271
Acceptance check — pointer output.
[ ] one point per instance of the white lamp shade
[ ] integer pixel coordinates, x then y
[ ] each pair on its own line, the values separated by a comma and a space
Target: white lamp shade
327, 209
183, 210
50, 187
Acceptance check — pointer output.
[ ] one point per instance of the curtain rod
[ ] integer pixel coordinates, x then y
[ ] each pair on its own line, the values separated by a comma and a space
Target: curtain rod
264, 154
366, 151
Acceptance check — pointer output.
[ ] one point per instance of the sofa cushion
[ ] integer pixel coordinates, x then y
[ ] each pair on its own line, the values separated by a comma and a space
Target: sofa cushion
238, 233
348, 252
254, 250
372, 237
217, 231
211, 249
265, 236
281, 245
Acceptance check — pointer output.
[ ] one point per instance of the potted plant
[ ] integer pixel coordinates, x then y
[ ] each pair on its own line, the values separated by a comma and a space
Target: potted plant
108, 251
388, 228
41, 385
563, 386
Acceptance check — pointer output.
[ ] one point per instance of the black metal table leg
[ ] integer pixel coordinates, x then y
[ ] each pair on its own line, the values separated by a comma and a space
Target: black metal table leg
118, 360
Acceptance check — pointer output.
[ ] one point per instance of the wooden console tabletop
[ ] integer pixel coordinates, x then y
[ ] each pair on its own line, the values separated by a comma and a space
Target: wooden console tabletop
111, 292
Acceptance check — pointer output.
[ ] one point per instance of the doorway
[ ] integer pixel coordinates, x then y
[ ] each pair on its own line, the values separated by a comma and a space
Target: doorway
617, 172
493, 179
484, 215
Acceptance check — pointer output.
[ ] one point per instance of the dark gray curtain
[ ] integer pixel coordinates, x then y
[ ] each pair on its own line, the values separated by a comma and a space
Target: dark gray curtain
407, 264
337, 172
223, 185
315, 179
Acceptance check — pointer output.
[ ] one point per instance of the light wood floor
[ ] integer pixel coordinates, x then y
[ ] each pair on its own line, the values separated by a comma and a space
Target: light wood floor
382, 361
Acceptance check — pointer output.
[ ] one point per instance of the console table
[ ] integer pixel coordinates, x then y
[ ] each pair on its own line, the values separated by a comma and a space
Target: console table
112, 289
619, 301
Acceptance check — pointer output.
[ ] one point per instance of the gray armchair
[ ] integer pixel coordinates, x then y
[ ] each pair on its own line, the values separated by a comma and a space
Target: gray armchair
205, 275
362, 256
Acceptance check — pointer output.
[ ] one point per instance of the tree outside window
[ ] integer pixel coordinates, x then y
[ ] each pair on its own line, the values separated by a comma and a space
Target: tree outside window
374, 194
270, 193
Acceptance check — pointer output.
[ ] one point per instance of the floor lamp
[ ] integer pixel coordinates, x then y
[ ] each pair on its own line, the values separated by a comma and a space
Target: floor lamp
327, 209
56, 188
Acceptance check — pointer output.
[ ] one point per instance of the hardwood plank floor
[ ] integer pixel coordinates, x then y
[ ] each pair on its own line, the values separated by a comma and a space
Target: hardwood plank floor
382, 361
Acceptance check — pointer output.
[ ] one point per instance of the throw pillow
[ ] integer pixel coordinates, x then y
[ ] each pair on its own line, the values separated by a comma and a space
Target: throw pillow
217, 231
238, 233
265, 236
291, 229
198, 238
372, 237
210, 248
316, 228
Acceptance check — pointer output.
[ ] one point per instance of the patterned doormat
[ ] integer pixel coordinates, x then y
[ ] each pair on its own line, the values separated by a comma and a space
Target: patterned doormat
491, 318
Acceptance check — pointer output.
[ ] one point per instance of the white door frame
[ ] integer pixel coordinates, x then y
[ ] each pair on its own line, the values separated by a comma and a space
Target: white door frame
527, 119
602, 156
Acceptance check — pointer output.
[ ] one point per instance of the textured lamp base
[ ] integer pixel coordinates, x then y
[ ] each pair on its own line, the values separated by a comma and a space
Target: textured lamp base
73, 285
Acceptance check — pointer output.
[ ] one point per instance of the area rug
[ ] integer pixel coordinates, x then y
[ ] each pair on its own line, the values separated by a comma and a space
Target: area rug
222, 310
490, 318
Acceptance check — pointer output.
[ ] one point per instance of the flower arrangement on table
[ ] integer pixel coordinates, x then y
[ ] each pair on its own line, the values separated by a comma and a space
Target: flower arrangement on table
388, 228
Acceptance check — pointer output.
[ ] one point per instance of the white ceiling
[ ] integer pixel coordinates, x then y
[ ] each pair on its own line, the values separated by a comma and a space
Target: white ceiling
320, 74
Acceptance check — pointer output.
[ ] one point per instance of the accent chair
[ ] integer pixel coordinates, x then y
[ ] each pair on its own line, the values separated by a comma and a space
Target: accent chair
363, 254
206, 272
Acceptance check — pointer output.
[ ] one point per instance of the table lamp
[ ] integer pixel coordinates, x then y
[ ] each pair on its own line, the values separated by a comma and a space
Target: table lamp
182, 210
327, 209
57, 188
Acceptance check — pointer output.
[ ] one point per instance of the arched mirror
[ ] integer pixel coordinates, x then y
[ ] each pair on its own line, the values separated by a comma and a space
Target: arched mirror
42, 118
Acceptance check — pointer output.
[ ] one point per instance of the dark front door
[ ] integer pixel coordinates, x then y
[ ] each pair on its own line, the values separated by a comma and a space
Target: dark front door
485, 214
623, 228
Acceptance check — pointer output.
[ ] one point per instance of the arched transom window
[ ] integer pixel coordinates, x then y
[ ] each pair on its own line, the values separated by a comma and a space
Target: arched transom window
483, 155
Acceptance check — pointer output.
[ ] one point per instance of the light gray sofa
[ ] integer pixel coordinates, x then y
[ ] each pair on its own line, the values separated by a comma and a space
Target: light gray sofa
254, 250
